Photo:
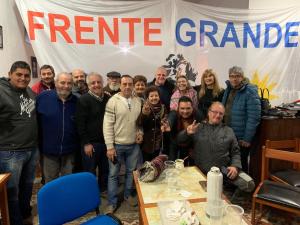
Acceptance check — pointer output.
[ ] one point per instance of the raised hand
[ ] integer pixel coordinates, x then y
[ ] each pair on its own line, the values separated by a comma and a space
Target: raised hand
192, 128
146, 108
165, 126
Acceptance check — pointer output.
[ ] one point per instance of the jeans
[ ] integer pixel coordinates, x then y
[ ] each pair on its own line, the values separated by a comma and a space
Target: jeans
244, 182
57, 165
21, 164
98, 159
129, 154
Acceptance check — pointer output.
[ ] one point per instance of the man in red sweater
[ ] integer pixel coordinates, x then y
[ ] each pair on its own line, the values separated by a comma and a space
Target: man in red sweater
47, 80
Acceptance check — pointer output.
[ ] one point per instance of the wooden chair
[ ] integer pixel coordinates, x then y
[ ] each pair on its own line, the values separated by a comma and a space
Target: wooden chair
288, 176
274, 194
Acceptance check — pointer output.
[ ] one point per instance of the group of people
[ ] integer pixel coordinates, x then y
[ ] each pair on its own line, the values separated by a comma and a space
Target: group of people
76, 124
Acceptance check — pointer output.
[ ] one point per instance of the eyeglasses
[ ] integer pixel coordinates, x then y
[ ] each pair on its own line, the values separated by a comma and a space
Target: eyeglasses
216, 112
234, 76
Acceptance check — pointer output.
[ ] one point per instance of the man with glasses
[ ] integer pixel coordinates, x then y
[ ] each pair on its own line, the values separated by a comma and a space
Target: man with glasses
215, 144
242, 110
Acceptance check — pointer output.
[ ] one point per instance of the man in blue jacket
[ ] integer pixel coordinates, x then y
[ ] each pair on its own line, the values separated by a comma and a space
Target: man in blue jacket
242, 110
58, 139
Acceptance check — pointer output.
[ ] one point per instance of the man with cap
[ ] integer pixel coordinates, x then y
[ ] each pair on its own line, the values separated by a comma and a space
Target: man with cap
113, 83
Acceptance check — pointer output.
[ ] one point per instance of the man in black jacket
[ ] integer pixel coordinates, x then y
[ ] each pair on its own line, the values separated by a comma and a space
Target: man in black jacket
89, 118
18, 140
165, 86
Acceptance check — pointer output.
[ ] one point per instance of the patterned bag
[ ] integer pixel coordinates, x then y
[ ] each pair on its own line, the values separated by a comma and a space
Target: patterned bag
150, 171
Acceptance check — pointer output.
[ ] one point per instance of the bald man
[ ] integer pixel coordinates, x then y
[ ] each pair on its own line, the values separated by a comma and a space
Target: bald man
215, 144
58, 135
79, 83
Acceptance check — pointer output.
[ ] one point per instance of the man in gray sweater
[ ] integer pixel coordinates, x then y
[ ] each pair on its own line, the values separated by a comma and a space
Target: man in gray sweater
216, 145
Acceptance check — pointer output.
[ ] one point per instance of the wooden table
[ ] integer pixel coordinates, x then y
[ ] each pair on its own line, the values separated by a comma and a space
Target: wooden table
149, 194
3, 198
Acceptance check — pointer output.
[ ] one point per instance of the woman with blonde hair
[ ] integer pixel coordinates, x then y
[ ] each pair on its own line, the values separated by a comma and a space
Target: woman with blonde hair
183, 88
209, 91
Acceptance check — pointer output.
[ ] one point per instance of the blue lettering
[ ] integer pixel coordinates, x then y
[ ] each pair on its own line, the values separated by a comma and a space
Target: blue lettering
186, 34
190, 34
255, 39
226, 38
268, 27
289, 34
209, 34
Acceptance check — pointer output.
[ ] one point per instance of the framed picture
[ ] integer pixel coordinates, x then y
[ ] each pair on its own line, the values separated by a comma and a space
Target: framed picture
1, 37
34, 67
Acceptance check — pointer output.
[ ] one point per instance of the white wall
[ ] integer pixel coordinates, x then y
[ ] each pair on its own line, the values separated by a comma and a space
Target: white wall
239, 4
14, 46
269, 4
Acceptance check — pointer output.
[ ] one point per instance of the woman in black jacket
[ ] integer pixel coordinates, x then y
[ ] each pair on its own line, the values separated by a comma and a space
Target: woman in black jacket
209, 91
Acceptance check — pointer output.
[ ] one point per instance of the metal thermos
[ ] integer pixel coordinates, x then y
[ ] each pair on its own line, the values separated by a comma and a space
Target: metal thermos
214, 192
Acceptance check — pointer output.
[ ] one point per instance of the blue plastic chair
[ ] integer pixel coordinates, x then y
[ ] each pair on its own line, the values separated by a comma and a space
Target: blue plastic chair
70, 197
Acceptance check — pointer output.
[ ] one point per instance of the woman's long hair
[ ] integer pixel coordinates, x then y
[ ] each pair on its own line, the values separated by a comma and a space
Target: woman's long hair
216, 87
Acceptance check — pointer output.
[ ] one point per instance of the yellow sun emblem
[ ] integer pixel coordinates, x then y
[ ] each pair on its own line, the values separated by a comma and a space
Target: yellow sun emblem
264, 83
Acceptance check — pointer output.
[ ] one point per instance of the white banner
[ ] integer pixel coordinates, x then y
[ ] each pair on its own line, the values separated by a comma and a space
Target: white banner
137, 37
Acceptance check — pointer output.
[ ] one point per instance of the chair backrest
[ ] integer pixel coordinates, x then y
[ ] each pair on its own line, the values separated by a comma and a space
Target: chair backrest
289, 145
283, 144
67, 198
270, 153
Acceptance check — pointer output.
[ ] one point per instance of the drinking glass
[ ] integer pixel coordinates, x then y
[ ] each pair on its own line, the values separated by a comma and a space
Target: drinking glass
234, 214
179, 164
169, 165
171, 182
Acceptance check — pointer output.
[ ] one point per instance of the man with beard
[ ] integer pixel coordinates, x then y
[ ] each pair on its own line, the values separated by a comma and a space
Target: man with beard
79, 88
113, 83
58, 137
215, 144
178, 121
18, 141
79, 85
93, 149
47, 80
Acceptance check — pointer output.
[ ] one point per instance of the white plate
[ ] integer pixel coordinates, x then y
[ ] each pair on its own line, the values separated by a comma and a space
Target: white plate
168, 218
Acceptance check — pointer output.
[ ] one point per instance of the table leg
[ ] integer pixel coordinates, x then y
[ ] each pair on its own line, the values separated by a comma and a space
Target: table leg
4, 205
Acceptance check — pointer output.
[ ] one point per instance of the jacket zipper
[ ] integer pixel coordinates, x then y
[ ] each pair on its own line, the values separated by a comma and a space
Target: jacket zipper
63, 128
